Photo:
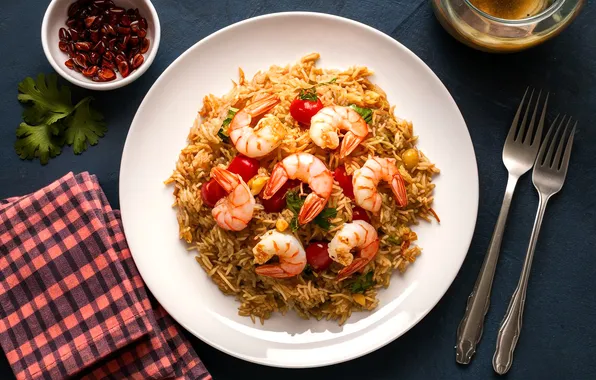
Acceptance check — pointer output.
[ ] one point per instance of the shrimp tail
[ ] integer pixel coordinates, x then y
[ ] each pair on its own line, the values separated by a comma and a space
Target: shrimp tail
313, 205
349, 143
273, 270
278, 178
224, 178
262, 105
366, 255
399, 190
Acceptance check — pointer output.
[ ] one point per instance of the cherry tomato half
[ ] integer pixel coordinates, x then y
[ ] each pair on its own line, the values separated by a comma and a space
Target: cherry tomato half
303, 110
278, 201
211, 192
358, 213
246, 167
317, 255
345, 181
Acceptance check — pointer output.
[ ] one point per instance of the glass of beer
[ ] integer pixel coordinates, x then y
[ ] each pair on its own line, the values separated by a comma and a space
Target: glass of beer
505, 25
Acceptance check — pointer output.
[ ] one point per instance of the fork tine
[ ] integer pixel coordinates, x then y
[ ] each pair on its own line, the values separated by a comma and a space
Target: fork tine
567, 154
514, 125
538, 135
542, 151
527, 139
557, 159
553, 143
522, 127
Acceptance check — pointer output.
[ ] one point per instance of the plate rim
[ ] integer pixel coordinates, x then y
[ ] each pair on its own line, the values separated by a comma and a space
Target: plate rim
399, 45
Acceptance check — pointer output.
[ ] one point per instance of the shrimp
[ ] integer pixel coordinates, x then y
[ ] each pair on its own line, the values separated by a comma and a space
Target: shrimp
358, 235
366, 179
234, 211
326, 123
265, 136
292, 257
309, 169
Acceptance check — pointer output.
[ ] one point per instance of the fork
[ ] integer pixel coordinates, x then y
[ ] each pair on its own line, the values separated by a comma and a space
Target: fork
519, 154
548, 176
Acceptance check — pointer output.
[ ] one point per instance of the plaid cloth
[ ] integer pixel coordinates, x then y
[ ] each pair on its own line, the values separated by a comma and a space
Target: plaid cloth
72, 303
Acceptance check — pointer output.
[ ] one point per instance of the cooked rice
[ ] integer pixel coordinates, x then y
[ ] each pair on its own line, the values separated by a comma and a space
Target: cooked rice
227, 256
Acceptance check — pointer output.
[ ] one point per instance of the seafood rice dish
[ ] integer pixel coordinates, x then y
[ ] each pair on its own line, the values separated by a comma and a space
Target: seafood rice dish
299, 190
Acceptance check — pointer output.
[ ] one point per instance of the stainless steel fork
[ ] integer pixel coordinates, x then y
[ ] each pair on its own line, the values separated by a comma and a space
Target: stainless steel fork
519, 154
548, 176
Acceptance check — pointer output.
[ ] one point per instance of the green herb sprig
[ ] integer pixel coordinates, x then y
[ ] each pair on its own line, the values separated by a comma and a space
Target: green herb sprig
362, 283
50, 120
366, 113
294, 203
310, 93
223, 130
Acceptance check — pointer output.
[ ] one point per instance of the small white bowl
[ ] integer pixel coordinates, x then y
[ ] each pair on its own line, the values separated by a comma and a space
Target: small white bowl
55, 18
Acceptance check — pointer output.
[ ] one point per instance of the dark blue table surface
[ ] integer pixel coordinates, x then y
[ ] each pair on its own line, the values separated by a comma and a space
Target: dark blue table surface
558, 340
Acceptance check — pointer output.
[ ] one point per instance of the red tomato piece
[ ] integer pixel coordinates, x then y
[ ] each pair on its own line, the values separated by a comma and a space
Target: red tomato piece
303, 110
317, 255
345, 181
244, 166
278, 201
358, 213
211, 192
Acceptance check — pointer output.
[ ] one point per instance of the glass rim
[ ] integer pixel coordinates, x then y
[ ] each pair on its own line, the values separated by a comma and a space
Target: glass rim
548, 12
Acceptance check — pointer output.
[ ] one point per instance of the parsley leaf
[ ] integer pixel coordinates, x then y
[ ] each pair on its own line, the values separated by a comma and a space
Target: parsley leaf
222, 133
294, 203
394, 240
310, 93
84, 126
49, 103
362, 283
307, 271
42, 141
322, 220
366, 113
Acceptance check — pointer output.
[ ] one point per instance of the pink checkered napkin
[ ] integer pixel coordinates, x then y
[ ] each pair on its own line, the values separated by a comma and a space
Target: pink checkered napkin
72, 302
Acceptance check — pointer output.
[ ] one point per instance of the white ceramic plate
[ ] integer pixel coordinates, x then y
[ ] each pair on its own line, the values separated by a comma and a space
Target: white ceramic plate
159, 131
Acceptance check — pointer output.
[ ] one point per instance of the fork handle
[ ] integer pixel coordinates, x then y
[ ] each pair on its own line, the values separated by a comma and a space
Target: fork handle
512, 322
470, 328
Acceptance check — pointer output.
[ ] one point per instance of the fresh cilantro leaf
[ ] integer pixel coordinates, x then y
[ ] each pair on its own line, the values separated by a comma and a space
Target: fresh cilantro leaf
50, 103
294, 225
394, 240
36, 114
310, 93
222, 133
307, 271
84, 126
42, 141
294, 203
362, 283
322, 220
366, 113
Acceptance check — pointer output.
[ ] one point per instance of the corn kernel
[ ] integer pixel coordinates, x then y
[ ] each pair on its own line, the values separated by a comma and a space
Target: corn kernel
281, 225
359, 299
256, 184
410, 158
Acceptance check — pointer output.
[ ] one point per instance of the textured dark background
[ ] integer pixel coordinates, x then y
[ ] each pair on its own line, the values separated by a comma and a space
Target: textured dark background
558, 339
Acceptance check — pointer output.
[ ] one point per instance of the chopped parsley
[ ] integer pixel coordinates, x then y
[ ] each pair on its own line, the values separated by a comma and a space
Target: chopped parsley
394, 240
294, 203
362, 283
310, 93
366, 113
223, 130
